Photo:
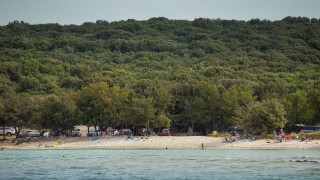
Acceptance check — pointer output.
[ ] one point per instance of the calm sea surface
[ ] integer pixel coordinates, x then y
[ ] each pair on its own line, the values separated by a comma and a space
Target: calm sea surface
160, 164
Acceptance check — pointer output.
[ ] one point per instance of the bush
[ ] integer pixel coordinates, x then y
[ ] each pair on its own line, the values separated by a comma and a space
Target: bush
294, 135
309, 135
152, 134
265, 136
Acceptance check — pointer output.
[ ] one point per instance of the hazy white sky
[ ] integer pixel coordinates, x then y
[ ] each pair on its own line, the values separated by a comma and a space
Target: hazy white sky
79, 11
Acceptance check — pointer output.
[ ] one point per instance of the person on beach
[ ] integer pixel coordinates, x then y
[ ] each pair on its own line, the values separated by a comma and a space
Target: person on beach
225, 140
190, 131
281, 134
274, 135
129, 137
116, 133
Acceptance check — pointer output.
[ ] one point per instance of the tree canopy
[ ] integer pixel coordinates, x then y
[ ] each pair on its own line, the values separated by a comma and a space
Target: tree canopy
205, 73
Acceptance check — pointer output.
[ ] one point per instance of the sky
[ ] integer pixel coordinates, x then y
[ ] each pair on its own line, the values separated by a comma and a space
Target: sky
80, 11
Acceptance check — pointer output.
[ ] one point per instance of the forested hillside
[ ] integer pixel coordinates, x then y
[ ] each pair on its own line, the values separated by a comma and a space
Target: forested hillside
206, 74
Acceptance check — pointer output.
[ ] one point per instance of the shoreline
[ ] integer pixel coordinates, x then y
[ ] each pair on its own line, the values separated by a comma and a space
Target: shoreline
157, 143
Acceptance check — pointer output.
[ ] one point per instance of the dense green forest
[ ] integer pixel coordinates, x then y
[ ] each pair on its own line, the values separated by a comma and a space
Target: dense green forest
207, 74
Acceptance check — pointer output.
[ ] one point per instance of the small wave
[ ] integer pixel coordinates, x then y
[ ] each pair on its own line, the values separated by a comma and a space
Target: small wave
312, 161
36, 173
77, 167
304, 157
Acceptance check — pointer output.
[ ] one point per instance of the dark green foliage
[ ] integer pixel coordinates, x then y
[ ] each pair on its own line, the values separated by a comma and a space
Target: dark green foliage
205, 73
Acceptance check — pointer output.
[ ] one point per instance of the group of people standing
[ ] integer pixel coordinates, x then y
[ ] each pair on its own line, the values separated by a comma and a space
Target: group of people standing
281, 137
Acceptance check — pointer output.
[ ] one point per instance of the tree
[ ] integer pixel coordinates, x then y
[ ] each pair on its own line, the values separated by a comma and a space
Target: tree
261, 117
203, 107
117, 103
91, 108
98, 104
161, 121
162, 100
299, 110
2, 121
314, 100
196, 111
17, 110
142, 111
58, 112
234, 97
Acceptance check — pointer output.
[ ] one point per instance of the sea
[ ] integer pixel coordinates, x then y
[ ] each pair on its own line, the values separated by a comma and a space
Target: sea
160, 164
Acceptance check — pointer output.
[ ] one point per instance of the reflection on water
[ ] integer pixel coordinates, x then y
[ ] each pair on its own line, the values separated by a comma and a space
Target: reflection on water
160, 164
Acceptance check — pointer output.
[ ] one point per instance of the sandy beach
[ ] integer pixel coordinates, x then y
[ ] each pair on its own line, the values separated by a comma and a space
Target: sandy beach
156, 142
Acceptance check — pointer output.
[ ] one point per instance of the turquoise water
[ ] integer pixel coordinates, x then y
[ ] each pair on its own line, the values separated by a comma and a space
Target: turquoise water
160, 164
